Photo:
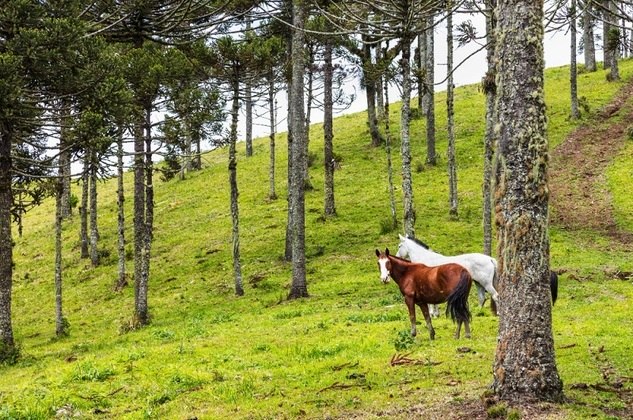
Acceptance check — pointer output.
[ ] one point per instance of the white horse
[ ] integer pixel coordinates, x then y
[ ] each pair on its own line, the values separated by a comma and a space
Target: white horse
482, 268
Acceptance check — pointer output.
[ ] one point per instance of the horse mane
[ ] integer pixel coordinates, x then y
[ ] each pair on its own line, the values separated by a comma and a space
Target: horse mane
419, 242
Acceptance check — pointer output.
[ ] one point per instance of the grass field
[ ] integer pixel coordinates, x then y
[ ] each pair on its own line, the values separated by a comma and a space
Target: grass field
209, 354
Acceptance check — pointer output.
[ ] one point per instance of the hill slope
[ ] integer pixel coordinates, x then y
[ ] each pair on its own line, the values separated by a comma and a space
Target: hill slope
209, 354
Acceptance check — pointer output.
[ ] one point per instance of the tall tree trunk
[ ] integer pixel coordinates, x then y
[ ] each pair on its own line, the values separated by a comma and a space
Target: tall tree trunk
291, 164
186, 159
588, 37
328, 133
141, 313
525, 365
149, 183
272, 195
310, 98
429, 71
573, 73
392, 193
122, 280
197, 160
235, 214
64, 158
420, 59
613, 42
8, 349
405, 145
94, 230
489, 88
83, 209
452, 170
248, 105
60, 322
380, 81
299, 287
606, 27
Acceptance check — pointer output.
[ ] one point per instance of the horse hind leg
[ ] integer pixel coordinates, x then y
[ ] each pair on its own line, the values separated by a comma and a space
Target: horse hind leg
411, 306
434, 311
427, 318
481, 294
466, 328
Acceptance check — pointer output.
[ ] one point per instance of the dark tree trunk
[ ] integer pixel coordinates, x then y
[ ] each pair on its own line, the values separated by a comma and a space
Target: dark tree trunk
122, 280
248, 108
452, 170
588, 37
60, 322
299, 287
606, 27
370, 92
488, 86
573, 73
94, 230
83, 209
405, 144
291, 164
307, 184
380, 81
272, 195
613, 42
8, 349
235, 215
392, 193
431, 156
328, 133
525, 365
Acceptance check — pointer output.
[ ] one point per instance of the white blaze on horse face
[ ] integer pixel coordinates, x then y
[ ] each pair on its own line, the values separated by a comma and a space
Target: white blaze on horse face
384, 272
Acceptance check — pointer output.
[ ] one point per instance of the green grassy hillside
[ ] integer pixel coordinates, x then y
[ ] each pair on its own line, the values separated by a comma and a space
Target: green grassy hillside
209, 354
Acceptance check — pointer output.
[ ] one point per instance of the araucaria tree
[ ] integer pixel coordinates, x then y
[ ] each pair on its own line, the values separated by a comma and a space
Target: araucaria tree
525, 365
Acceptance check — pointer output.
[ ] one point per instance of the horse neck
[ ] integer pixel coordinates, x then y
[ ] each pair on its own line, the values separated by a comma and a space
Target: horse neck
399, 268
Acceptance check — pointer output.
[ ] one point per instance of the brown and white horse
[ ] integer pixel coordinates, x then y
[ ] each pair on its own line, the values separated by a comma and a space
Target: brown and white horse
422, 285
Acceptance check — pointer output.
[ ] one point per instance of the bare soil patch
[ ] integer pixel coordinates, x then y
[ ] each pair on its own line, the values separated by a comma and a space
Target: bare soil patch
578, 189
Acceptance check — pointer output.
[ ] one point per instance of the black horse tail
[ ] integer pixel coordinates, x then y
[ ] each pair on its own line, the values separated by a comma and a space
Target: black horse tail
457, 302
553, 285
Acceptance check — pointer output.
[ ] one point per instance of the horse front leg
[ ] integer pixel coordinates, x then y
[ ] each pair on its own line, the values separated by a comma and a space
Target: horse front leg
427, 318
411, 306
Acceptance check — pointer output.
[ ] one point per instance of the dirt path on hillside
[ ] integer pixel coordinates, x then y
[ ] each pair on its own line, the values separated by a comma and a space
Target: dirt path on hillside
579, 195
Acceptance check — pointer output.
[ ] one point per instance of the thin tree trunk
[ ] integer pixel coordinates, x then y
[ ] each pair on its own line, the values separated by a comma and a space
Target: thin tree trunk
291, 164
94, 230
197, 160
613, 43
588, 38
392, 193
380, 100
60, 323
235, 214
310, 98
405, 146
8, 350
606, 27
573, 72
272, 195
328, 133
525, 365
420, 57
64, 158
122, 279
83, 210
452, 170
370, 92
431, 156
299, 287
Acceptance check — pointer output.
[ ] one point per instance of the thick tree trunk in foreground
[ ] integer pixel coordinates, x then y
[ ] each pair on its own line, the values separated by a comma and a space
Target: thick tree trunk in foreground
299, 287
7, 346
525, 365
489, 88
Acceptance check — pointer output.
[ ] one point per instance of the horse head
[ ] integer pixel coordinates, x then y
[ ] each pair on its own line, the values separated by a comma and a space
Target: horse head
403, 250
384, 265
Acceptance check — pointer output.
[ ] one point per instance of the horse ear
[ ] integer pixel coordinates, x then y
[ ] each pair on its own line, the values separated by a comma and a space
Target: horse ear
387, 251
377, 252
401, 237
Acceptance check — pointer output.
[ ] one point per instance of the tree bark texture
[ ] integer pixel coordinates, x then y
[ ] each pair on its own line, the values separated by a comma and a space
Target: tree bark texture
235, 214
141, 313
573, 71
291, 164
392, 192
588, 37
525, 365
613, 41
405, 144
272, 194
606, 27
60, 322
431, 155
94, 229
83, 209
328, 133
122, 281
488, 84
370, 93
299, 287
450, 111
7, 345
248, 108
64, 158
